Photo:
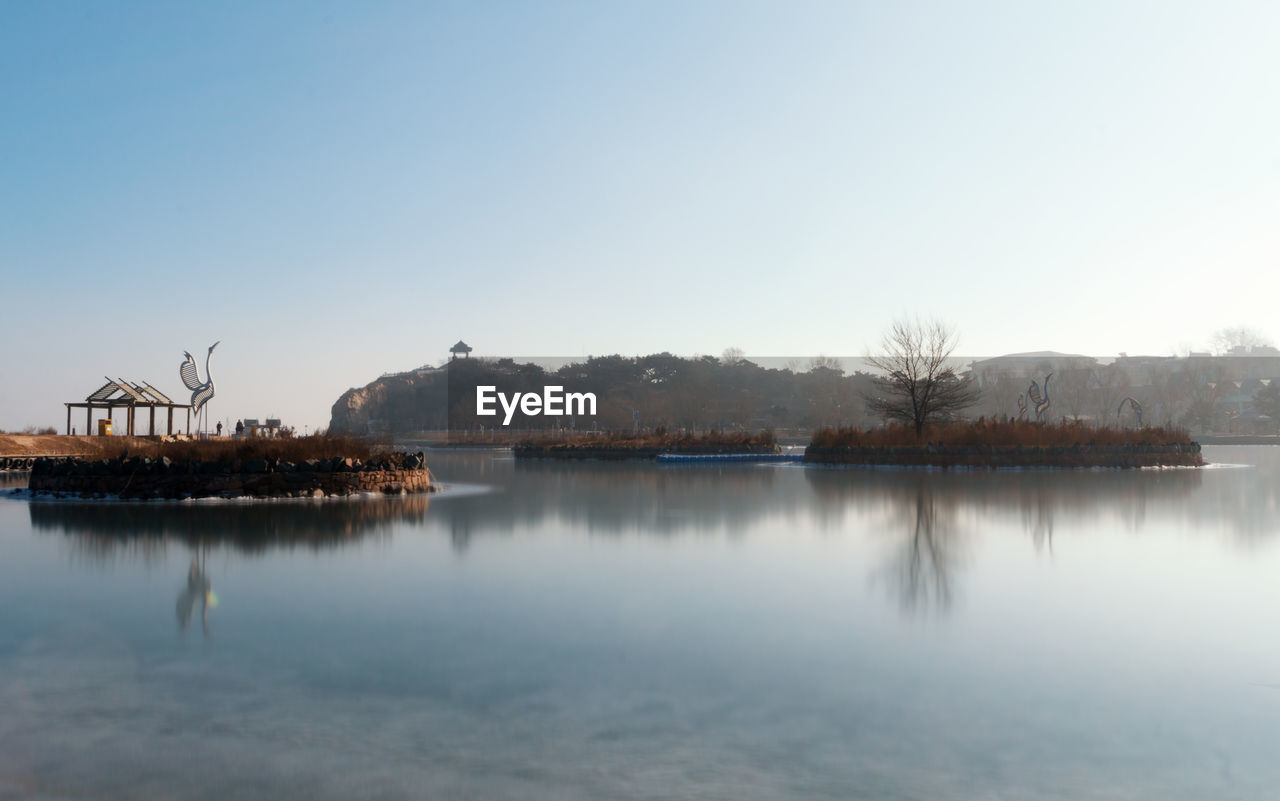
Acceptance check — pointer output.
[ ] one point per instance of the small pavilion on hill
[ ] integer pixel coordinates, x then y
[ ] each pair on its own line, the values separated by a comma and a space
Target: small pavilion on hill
462, 349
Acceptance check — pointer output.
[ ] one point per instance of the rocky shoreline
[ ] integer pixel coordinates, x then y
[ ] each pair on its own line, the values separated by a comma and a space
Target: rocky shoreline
145, 478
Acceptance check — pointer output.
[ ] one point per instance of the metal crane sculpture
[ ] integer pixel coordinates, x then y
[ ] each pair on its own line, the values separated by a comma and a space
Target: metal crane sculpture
1022, 406
1041, 401
201, 392
1133, 404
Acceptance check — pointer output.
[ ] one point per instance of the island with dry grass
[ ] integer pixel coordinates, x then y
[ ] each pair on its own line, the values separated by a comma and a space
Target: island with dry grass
645, 445
988, 444
317, 466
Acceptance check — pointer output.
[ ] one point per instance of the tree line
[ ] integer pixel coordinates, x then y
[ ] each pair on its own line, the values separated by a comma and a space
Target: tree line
913, 379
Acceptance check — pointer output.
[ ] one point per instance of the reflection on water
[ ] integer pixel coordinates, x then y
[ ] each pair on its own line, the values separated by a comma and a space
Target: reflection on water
640, 498
1034, 498
199, 589
922, 568
632, 630
103, 528
929, 515
13, 479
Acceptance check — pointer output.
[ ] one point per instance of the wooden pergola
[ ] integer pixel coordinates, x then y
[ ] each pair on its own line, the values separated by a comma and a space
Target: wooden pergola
121, 394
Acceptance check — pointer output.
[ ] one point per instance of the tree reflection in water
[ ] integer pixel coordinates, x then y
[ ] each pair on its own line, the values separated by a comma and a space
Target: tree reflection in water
644, 499
921, 568
1036, 499
611, 499
923, 508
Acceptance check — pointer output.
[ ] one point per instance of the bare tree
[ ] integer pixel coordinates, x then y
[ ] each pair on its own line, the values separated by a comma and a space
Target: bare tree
1267, 401
918, 386
821, 362
1110, 385
1225, 340
1074, 383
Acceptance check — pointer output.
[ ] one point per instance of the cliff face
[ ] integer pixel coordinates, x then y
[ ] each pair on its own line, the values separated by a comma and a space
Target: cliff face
395, 404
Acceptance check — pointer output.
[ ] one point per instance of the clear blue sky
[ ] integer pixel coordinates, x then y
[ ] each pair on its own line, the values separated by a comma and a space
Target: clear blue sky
340, 190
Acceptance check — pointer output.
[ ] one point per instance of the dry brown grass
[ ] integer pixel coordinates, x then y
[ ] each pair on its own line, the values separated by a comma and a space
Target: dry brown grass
289, 449
59, 445
712, 441
218, 449
1007, 433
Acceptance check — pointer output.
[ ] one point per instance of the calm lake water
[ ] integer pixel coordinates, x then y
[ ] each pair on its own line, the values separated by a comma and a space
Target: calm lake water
635, 631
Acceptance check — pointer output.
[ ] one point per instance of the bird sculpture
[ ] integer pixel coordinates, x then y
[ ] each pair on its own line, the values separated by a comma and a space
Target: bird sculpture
1133, 404
201, 392
1041, 401
1022, 406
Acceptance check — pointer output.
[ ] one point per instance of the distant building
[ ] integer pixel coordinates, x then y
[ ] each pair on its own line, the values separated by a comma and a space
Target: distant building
987, 372
254, 427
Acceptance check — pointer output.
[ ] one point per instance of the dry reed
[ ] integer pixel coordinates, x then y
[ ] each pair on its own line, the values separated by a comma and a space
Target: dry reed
1000, 433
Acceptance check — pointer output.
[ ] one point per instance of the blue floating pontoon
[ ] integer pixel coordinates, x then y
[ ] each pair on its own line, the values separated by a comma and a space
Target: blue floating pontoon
730, 457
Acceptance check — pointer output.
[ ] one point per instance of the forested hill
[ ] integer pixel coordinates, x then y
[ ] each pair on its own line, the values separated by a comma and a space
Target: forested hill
654, 391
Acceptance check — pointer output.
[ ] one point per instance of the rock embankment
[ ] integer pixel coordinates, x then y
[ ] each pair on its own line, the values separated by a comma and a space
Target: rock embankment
140, 477
995, 457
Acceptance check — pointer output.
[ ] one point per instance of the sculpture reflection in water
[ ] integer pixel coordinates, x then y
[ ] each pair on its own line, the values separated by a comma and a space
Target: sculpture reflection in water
101, 532
198, 590
1037, 519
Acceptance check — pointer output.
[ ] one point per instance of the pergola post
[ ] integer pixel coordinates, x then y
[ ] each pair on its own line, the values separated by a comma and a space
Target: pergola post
68, 419
151, 430
171, 421
88, 421
188, 421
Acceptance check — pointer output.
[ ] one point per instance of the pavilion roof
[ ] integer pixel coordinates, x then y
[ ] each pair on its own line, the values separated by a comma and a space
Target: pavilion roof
125, 392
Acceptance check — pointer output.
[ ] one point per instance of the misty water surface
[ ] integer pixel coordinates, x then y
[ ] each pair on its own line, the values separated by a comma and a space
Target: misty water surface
638, 631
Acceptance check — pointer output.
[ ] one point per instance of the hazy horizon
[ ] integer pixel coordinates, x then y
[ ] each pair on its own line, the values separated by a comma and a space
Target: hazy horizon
338, 192
798, 363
